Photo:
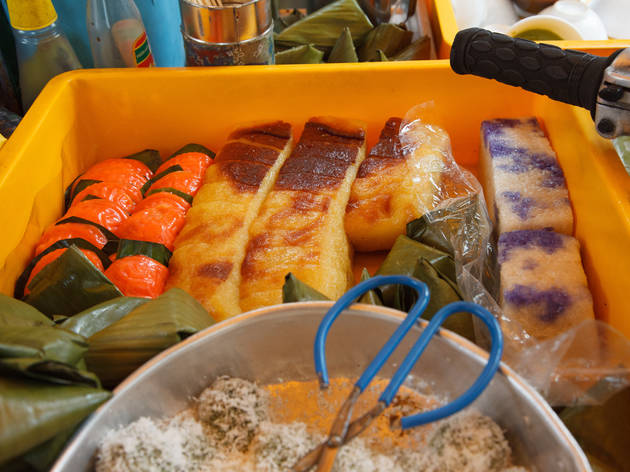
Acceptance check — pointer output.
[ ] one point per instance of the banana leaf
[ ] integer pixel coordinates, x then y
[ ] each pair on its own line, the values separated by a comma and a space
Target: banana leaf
603, 430
386, 37
46, 370
443, 291
380, 56
99, 317
343, 50
41, 457
402, 260
307, 54
156, 251
323, 27
69, 284
294, 290
423, 231
14, 312
44, 342
155, 178
192, 147
172, 190
418, 50
149, 157
81, 185
33, 412
373, 297
125, 345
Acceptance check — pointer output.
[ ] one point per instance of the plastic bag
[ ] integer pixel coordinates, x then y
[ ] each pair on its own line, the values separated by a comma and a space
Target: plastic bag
584, 365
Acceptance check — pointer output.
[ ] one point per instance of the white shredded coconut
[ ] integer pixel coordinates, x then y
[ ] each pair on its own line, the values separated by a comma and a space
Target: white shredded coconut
229, 429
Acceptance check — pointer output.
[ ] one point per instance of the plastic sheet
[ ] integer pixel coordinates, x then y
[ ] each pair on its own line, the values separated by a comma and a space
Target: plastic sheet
584, 365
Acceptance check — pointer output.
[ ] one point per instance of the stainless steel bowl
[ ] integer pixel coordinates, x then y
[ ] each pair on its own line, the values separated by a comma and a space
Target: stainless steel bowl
275, 344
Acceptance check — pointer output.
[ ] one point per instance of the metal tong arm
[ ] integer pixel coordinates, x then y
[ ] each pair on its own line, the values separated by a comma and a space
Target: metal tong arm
386, 351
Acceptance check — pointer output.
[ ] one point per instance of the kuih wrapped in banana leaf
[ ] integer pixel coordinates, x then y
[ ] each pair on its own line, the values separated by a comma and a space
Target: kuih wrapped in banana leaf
294, 290
343, 50
44, 392
323, 27
306, 54
117, 350
387, 38
420, 49
69, 284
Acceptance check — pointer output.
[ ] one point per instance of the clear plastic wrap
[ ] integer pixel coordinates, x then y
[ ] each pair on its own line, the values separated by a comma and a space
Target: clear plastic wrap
586, 364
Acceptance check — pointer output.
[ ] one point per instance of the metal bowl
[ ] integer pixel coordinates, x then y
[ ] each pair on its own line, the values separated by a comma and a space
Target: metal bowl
274, 344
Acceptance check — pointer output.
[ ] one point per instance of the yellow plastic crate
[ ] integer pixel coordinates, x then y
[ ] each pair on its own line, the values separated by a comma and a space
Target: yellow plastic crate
445, 28
85, 116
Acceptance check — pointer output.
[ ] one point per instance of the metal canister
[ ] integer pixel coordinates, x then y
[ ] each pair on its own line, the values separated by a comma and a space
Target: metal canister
232, 34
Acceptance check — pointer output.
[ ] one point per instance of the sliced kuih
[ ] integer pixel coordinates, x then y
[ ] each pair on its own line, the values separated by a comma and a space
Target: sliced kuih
69, 284
112, 240
295, 290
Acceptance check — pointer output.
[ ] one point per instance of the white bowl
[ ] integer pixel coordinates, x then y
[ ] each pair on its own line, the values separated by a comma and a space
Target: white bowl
587, 22
615, 14
556, 25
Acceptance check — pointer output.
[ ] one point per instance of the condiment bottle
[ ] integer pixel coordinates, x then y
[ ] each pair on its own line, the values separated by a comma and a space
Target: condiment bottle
43, 51
117, 34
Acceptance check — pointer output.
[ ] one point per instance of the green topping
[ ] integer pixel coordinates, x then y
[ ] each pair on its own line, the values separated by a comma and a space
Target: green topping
174, 191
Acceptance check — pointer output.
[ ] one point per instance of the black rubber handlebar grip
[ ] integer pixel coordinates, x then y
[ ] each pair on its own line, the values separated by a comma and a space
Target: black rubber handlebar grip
569, 76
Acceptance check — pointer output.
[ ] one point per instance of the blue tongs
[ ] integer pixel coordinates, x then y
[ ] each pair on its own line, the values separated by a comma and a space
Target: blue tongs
343, 430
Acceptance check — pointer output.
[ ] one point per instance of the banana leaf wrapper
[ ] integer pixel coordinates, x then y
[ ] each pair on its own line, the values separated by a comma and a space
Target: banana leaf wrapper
307, 54
125, 345
603, 431
323, 27
294, 290
380, 57
387, 38
443, 291
41, 457
33, 412
373, 297
14, 312
402, 260
416, 51
69, 285
343, 50
100, 316
43, 342
191, 147
48, 371
149, 157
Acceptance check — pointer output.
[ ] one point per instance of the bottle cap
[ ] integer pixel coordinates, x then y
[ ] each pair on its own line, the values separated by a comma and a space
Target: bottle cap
31, 15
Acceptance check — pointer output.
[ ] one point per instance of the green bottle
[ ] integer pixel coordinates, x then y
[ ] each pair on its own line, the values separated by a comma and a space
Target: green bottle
43, 51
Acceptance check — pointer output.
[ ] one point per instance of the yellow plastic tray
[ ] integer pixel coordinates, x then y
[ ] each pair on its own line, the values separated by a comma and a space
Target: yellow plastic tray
445, 28
84, 116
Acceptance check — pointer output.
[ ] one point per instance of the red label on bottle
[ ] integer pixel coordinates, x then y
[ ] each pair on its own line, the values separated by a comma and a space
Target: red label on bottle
142, 51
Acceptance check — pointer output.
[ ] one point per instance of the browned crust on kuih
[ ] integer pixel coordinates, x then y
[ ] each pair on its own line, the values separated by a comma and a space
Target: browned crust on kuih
321, 157
215, 270
272, 134
387, 152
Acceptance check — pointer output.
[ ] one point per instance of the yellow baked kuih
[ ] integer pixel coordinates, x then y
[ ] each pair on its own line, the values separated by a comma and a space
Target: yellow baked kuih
210, 249
396, 183
300, 227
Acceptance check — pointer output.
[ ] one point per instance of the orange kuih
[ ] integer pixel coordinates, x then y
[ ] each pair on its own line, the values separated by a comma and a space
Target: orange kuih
183, 180
105, 213
138, 276
194, 162
111, 191
83, 231
131, 173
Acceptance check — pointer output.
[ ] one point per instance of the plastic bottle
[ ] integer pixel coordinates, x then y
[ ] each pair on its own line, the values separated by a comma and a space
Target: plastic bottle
43, 51
117, 34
